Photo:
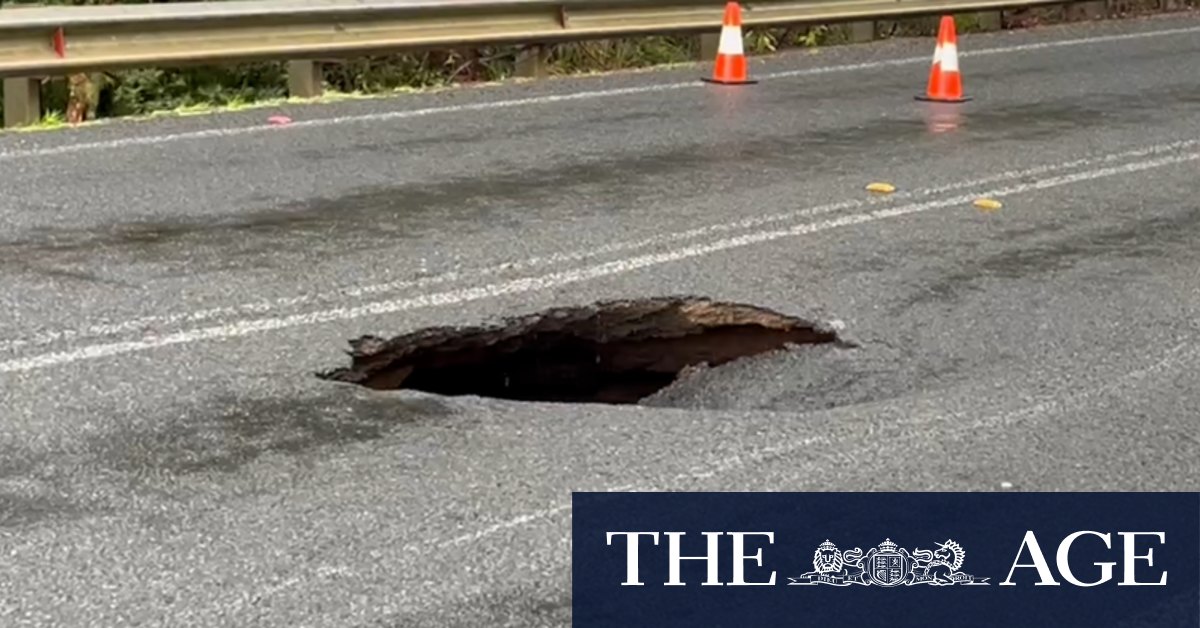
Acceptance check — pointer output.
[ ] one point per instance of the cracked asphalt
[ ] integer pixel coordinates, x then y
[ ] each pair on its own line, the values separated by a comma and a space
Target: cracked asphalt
170, 289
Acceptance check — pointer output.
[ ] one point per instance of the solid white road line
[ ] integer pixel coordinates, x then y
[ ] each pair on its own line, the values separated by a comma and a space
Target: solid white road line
556, 98
558, 259
558, 279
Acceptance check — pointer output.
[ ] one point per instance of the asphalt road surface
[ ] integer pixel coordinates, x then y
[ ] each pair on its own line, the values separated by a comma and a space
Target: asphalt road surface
169, 289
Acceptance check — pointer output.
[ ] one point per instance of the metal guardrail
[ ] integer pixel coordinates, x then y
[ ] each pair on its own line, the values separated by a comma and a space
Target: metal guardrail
107, 37
49, 41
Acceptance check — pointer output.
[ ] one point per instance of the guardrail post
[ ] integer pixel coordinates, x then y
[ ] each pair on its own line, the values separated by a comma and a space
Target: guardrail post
22, 101
304, 79
861, 32
708, 45
533, 62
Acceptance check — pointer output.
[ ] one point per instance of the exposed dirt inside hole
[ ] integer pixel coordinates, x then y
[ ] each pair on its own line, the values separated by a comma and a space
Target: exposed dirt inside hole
609, 352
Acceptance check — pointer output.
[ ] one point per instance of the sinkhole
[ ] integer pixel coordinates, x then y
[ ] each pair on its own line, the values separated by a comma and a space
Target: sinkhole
615, 352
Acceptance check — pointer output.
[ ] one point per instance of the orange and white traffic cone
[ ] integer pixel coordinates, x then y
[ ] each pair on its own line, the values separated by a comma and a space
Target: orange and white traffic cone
945, 83
730, 68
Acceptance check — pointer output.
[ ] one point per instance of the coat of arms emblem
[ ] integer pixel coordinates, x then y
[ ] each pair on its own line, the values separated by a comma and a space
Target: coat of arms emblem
888, 565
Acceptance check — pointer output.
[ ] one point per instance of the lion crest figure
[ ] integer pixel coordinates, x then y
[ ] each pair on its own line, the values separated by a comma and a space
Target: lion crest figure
827, 559
829, 562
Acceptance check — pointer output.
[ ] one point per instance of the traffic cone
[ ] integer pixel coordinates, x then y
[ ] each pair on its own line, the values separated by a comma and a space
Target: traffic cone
945, 83
730, 68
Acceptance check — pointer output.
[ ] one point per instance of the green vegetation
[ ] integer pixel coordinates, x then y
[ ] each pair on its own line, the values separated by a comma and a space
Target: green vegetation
196, 90
146, 91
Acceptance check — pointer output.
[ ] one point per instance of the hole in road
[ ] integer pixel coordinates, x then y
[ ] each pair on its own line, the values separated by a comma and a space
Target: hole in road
615, 352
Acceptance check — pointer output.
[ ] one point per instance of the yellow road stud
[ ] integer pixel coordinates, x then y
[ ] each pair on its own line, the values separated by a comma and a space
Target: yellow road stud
987, 204
882, 188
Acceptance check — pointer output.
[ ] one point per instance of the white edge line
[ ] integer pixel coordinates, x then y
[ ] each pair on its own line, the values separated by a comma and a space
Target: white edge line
541, 282
556, 98
264, 307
